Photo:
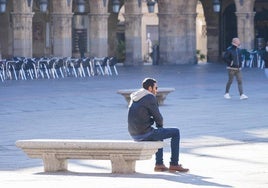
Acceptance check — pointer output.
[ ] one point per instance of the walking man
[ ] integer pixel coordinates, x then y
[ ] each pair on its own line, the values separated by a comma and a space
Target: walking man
233, 59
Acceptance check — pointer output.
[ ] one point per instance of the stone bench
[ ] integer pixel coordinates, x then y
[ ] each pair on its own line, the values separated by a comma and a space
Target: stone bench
123, 154
160, 96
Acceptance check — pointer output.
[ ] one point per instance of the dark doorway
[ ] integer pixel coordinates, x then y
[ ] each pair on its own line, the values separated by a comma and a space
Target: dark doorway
229, 26
261, 25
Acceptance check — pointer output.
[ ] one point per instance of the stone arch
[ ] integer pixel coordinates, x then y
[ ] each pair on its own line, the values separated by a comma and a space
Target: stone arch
201, 34
80, 30
112, 31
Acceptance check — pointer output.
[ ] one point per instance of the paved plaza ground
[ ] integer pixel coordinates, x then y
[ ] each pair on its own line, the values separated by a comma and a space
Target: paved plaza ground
223, 142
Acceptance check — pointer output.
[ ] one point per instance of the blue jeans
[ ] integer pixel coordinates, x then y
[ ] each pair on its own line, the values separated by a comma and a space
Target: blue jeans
163, 133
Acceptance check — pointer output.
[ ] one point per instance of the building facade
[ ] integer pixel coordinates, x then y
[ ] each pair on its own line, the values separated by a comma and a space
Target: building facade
62, 28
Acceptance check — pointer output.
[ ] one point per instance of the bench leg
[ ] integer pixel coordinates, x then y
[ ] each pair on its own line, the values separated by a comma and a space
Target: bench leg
53, 164
161, 99
127, 98
121, 166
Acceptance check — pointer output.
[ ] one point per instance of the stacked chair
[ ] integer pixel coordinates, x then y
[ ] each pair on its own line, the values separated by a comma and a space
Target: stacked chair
22, 68
253, 59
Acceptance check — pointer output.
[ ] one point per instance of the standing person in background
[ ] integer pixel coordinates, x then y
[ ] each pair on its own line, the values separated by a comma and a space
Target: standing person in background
233, 59
143, 113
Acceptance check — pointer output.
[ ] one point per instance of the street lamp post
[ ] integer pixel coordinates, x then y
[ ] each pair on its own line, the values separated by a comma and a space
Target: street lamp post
150, 4
80, 6
216, 6
43, 5
116, 6
3, 6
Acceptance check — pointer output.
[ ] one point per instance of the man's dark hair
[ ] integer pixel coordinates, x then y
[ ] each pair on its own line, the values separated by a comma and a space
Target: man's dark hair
147, 82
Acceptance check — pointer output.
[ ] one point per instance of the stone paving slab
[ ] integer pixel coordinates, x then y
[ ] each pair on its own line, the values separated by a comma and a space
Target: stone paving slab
223, 142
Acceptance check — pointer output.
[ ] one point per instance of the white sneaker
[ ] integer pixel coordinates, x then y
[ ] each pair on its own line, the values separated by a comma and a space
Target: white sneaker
227, 96
243, 96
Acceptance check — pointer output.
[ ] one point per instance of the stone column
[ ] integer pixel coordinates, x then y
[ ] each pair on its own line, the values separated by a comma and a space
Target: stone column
245, 29
190, 54
98, 24
133, 18
98, 36
22, 28
177, 32
61, 19
172, 41
112, 34
245, 23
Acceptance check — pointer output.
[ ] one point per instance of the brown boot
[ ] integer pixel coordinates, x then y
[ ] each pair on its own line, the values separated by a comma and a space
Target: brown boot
160, 168
179, 168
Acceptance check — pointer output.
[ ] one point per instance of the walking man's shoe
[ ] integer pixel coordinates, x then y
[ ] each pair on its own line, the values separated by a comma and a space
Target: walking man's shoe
160, 168
177, 168
227, 96
243, 96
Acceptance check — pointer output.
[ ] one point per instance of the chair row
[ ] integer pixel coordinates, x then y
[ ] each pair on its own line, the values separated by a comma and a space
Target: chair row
253, 59
21, 68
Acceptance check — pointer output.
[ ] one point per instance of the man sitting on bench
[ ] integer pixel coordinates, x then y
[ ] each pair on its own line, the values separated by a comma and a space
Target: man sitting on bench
142, 114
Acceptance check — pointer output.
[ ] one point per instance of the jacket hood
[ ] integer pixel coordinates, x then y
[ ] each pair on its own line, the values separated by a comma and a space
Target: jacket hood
137, 95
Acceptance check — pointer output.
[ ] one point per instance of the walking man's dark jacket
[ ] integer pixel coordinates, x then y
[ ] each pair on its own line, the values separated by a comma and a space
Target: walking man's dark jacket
233, 57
